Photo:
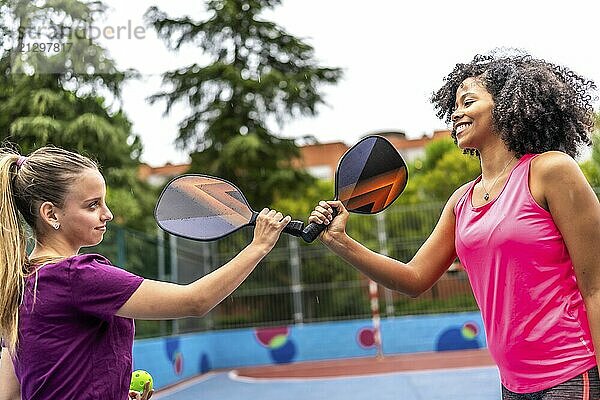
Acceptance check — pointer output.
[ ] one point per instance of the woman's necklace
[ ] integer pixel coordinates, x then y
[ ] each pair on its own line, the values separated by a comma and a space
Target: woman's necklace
486, 195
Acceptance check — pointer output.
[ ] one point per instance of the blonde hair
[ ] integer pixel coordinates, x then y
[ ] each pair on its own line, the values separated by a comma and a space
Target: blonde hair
25, 183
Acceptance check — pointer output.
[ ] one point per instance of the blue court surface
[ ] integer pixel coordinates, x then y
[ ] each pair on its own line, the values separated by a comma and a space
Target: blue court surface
481, 383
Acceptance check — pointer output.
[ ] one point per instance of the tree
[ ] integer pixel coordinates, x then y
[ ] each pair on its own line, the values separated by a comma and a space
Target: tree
591, 167
49, 41
442, 170
257, 72
299, 207
54, 97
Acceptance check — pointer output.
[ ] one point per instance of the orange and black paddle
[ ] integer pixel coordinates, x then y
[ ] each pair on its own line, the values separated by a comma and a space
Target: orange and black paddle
369, 177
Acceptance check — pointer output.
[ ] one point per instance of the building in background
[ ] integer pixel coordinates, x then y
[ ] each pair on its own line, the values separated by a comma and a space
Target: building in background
412, 149
319, 159
158, 176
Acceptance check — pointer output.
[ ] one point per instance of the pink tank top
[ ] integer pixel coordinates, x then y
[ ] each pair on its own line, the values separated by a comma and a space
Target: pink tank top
523, 280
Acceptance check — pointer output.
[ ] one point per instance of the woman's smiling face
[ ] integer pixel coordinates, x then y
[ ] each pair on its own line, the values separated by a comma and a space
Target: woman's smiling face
472, 117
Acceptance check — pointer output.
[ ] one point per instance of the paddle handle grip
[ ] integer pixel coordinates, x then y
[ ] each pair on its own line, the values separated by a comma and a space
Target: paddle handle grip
313, 230
293, 228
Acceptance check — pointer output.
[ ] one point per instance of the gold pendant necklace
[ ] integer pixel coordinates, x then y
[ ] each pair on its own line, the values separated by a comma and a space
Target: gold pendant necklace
486, 195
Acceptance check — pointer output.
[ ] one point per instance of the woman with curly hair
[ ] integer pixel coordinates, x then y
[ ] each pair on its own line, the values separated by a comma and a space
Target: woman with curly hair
526, 230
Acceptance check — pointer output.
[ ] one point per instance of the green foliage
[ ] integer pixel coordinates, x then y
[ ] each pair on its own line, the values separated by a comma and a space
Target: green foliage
257, 72
596, 140
451, 171
54, 98
443, 170
435, 151
591, 170
299, 205
77, 62
591, 167
459, 302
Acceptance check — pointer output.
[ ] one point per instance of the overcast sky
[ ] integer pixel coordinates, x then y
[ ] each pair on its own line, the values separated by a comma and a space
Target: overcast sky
394, 55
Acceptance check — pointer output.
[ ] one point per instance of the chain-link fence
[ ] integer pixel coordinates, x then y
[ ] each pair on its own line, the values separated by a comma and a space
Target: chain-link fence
296, 282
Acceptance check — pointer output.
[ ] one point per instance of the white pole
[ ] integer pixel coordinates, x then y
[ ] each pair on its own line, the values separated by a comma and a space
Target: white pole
383, 249
296, 281
374, 295
174, 274
160, 251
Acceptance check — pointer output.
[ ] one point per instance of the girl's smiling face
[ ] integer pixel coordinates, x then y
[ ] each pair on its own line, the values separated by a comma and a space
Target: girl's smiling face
84, 215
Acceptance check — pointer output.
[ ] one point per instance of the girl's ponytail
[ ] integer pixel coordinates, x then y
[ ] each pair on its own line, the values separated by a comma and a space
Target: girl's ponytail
13, 254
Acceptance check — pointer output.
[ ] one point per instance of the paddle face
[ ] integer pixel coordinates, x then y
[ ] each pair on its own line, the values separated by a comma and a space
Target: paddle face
202, 208
370, 176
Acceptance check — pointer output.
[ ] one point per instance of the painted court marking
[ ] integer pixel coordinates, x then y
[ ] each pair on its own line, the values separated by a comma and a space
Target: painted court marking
452, 379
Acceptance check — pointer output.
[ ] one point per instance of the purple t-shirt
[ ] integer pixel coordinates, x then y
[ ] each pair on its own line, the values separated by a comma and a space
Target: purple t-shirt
71, 344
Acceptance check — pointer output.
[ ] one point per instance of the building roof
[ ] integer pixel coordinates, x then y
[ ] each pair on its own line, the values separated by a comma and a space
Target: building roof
400, 142
148, 173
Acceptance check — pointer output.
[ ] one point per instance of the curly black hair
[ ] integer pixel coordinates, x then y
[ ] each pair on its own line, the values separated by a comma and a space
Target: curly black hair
538, 106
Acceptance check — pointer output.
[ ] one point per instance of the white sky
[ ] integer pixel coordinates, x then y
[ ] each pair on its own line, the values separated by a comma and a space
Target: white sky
394, 55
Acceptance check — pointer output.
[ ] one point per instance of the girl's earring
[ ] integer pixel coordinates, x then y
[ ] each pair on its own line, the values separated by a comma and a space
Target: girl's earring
56, 225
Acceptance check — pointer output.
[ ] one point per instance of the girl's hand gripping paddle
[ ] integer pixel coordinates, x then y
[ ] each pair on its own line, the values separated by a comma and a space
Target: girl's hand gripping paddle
369, 177
202, 207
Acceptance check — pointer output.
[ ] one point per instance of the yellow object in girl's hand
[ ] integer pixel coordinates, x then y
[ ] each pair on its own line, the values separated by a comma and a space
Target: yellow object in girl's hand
138, 380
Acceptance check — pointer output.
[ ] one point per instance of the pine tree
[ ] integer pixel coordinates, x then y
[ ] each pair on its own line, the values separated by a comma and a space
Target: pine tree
257, 72
55, 97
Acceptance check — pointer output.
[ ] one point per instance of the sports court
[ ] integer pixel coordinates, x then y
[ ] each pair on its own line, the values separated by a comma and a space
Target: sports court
466, 375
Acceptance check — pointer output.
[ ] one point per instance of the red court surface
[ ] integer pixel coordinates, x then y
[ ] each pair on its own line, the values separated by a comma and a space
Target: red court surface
465, 375
371, 365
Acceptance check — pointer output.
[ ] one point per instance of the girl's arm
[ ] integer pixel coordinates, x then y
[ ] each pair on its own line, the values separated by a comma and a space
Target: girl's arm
163, 300
10, 389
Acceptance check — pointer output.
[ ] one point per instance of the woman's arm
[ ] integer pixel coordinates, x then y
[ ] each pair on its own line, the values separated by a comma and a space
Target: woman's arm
558, 185
10, 389
412, 278
163, 300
